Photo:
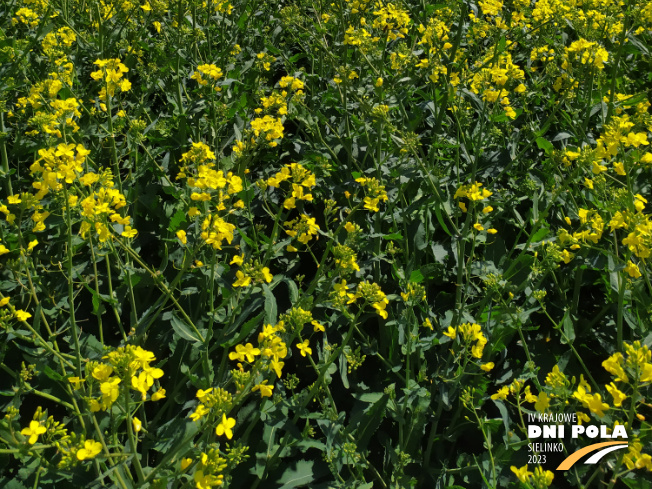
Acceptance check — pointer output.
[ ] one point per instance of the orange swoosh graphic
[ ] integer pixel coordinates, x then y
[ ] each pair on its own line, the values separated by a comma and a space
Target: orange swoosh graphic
574, 457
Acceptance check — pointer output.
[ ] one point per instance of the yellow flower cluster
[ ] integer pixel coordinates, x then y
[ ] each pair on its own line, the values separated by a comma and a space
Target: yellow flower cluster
345, 259
359, 37
617, 135
392, 20
250, 273
375, 192
265, 60
415, 292
213, 188
302, 181
210, 72
302, 229
634, 367
214, 402
221, 6
591, 401
266, 357
470, 332
26, 16
538, 479
102, 203
271, 126
592, 229
435, 34
472, 192
130, 364
586, 52
496, 79
370, 293
52, 116
212, 464
111, 71
268, 125
64, 164
53, 42
634, 459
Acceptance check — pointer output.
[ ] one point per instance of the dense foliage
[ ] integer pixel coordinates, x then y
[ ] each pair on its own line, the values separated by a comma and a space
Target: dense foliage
253, 243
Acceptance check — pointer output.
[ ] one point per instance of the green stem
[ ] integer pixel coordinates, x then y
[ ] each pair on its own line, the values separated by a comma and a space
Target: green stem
71, 303
3, 155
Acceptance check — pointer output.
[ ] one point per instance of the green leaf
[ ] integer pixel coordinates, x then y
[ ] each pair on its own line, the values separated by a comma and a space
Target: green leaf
183, 330
245, 330
52, 374
365, 421
569, 329
298, 475
173, 432
545, 145
292, 289
271, 313
177, 219
416, 276
420, 238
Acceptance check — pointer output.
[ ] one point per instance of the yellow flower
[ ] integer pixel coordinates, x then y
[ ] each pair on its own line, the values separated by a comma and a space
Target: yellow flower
158, 395
596, 405
502, 394
199, 412
142, 383
242, 279
265, 390
33, 431
451, 333
207, 481
379, 82
277, 367
102, 372
618, 396
632, 269
487, 366
266, 275
247, 351
90, 450
318, 326
4, 301
129, 232
185, 463
32, 244
181, 234
304, 348
137, 423
523, 473
22, 315
157, 26
224, 428
543, 402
